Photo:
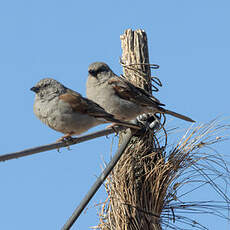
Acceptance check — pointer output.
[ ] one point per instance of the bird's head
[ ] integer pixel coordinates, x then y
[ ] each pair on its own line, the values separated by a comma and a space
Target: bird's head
99, 70
47, 87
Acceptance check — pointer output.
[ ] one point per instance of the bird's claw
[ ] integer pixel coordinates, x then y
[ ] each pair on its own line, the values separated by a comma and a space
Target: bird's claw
66, 138
150, 121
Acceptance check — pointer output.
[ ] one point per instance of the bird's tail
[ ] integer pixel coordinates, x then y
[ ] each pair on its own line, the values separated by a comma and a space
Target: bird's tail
110, 119
180, 116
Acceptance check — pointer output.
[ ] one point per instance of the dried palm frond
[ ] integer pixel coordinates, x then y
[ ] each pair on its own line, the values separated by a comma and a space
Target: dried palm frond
153, 182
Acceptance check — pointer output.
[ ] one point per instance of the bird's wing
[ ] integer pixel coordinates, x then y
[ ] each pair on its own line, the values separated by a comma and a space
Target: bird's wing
83, 105
126, 90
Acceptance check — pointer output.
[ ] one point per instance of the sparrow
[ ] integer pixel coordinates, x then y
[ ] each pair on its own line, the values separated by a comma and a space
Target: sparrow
120, 97
66, 111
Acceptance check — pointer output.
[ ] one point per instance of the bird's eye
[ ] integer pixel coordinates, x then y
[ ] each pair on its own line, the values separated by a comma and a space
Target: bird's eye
99, 70
93, 72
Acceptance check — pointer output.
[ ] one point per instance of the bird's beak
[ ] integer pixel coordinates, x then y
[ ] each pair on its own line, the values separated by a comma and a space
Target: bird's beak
93, 73
35, 89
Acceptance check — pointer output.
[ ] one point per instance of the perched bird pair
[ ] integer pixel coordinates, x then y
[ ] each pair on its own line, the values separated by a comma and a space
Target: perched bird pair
113, 99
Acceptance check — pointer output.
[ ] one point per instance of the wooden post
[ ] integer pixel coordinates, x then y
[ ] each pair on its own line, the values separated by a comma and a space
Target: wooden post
135, 51
142, 189
132, 204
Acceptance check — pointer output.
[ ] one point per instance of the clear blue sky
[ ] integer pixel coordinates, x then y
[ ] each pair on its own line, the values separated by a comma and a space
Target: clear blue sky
190, 40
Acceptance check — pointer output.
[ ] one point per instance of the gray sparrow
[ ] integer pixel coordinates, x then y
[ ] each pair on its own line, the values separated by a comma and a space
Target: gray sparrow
120, 97
66, 111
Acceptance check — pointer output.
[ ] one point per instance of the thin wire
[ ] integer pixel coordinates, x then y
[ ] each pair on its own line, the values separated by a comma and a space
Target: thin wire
58, 145
157, 81
98, 182
153, 66
141, 74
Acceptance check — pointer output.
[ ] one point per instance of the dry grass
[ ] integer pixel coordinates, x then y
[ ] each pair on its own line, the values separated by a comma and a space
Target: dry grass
149, 185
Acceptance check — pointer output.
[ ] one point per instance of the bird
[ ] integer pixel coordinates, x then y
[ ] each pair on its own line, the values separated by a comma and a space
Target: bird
67, 111
120, 97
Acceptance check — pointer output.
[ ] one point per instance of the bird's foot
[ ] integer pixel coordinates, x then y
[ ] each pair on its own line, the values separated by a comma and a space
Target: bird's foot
150, 121
66, 138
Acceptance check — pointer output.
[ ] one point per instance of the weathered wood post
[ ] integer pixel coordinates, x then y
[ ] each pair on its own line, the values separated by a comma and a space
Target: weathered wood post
132, 204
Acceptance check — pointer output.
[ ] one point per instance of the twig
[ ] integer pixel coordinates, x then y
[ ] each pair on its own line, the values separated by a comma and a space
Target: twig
98, 182
58, 145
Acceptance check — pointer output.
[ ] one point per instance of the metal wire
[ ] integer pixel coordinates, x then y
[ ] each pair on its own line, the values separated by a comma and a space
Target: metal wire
141, 74
58, 145
98, 182
157, 81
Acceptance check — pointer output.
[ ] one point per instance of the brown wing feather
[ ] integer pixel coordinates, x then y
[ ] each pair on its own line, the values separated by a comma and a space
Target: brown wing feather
84, 105
75, 101
130, 92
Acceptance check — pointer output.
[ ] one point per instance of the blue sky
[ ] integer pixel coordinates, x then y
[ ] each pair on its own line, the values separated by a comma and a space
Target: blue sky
59, 39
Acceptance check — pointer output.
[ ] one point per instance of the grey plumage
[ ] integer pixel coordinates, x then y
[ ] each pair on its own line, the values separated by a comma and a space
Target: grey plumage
66, 111
120, 97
